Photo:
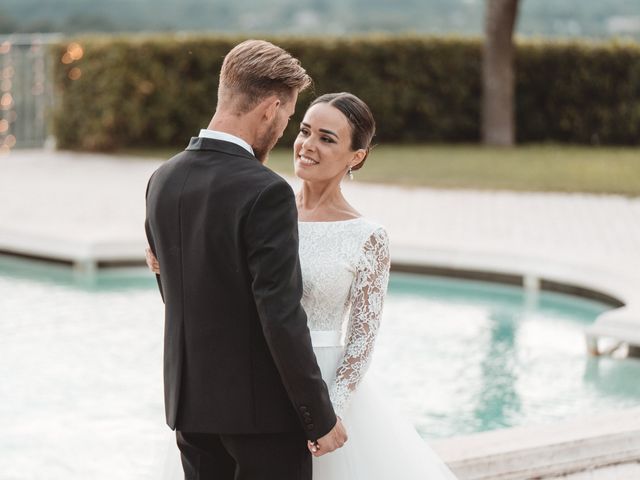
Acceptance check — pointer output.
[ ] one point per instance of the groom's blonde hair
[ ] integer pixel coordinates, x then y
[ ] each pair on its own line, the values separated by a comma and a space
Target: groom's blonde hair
254, 70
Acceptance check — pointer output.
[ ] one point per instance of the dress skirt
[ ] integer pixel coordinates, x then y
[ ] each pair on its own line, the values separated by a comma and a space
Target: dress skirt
382, 445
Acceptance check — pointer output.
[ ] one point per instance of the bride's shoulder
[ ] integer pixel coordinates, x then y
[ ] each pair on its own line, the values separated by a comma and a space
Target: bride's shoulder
373, 246
372, 230
369, 223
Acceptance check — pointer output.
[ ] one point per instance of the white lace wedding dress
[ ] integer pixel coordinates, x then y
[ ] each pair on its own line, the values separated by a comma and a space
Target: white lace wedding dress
345, 271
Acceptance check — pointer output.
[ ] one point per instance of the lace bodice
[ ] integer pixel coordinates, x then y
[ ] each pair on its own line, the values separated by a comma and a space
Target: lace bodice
345, 271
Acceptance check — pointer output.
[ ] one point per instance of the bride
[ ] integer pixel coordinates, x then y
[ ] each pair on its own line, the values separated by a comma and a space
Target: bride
345, 269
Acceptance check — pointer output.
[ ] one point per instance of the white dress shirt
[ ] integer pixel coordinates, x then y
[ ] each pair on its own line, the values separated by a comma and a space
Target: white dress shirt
227, 137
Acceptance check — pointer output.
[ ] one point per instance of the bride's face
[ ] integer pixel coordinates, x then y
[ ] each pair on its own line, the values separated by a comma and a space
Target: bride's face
322, 150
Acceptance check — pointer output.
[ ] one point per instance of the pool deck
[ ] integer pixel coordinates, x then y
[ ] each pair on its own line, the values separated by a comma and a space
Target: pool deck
89, 209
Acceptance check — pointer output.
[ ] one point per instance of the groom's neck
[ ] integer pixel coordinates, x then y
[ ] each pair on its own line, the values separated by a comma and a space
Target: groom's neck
239, 125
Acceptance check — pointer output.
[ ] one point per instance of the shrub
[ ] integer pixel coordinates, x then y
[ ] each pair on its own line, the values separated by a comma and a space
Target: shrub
159, 91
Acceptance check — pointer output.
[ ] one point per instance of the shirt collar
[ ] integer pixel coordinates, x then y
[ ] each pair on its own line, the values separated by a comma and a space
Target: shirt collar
227, 137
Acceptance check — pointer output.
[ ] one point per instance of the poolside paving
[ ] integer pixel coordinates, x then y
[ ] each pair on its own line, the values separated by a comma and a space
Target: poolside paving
99, 199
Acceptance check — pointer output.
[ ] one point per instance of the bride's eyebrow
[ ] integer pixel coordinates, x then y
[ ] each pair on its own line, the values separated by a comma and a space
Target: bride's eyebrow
323, 130
330, 132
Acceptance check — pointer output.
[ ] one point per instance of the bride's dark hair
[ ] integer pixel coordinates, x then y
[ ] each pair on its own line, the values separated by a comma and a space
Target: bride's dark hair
359, 116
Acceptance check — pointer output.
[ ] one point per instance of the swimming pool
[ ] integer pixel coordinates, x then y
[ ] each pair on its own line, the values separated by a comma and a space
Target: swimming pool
80, 363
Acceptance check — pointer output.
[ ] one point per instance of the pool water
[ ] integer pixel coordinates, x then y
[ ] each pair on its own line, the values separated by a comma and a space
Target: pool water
81, 375
467, 356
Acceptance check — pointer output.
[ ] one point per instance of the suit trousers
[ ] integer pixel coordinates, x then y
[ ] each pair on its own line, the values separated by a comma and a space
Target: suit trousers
272, 456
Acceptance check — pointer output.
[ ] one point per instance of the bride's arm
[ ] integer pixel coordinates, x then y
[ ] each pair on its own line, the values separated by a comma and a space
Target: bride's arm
367, 298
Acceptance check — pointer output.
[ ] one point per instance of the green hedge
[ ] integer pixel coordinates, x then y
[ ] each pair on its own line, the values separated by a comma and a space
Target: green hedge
578, 93
161, 91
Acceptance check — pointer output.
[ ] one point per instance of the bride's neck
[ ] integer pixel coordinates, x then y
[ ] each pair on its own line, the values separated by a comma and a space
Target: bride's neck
321, 200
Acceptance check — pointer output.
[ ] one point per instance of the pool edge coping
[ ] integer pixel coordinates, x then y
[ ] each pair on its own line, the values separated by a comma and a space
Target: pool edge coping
545, 451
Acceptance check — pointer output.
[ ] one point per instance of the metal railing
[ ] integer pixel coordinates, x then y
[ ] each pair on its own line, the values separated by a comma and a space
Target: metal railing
26, 90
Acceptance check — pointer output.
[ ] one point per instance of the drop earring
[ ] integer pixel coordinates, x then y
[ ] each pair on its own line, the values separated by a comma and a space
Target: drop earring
350, 173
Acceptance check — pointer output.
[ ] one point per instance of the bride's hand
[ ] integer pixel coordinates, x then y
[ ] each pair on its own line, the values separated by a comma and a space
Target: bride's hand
333, 440
152, 261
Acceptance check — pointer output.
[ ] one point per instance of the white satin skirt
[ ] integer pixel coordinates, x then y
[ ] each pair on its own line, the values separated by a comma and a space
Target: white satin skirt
382, 445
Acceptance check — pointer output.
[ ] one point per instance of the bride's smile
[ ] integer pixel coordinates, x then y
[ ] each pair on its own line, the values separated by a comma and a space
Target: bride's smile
304, 160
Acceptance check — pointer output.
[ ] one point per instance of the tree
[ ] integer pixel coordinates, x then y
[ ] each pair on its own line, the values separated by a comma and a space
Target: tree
498, 112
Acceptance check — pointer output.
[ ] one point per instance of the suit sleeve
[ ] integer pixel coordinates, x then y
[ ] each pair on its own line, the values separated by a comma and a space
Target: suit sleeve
150, 240
272, 251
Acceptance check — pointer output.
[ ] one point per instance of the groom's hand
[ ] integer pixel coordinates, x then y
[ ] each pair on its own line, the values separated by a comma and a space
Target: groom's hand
333, 440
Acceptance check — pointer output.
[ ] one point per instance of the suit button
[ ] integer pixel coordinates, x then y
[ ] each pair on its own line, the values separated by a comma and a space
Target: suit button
310, 426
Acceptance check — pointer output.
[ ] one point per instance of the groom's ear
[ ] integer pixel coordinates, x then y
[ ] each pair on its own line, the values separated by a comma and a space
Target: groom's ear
270, 106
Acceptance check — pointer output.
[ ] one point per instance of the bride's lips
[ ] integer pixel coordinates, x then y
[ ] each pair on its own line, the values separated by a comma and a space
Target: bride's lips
304, 160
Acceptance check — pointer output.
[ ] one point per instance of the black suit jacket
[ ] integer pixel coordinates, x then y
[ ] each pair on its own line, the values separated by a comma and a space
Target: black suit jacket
237, 351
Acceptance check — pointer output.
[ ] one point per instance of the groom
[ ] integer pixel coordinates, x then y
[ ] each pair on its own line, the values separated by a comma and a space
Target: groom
241, 383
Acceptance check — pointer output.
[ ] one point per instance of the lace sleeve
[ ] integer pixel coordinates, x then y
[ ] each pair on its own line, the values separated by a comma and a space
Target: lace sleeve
367, 297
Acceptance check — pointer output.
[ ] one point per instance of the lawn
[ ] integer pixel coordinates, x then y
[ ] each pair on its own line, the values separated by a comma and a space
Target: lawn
556, 168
